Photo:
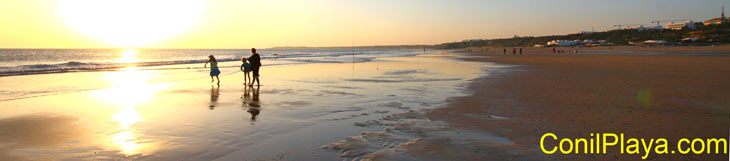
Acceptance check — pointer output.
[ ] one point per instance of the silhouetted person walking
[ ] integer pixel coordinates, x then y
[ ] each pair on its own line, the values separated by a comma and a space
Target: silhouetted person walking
255, 60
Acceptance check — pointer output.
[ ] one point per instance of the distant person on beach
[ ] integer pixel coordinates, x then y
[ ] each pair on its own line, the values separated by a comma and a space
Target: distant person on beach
255, 60
520, 51
246, 69
575, 51
213, 68
505, 52
553, 50
514, 52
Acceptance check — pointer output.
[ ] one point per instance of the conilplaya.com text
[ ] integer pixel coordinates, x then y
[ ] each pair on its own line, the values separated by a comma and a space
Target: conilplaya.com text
597, 143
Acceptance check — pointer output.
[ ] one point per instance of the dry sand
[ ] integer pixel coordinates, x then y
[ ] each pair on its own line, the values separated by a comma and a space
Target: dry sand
642, 96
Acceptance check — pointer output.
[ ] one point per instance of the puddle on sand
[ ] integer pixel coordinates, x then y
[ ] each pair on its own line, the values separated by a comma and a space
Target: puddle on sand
411, 136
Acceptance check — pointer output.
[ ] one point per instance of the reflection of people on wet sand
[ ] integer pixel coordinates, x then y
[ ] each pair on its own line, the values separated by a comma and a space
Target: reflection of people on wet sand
253, 103
214, 95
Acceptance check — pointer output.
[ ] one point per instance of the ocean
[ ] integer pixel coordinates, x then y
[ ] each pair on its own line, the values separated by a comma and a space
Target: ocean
74, 70
43, 61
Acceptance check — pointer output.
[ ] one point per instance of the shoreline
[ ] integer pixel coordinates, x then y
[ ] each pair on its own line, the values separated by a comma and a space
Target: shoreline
575, 95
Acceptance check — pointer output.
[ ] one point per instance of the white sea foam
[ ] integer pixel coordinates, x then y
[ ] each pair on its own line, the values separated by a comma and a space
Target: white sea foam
43, 61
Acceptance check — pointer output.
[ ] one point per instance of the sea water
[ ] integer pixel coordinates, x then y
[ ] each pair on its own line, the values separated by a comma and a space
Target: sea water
42, 61
31, 63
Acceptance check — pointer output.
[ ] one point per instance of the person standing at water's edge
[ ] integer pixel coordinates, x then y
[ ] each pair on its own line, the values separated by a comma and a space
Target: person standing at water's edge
246, 69
255, 60
213, 68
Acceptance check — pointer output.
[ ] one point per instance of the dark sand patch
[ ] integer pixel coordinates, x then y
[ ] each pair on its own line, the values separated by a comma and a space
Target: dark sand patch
402, 80
36, 131
406, 72
345, 87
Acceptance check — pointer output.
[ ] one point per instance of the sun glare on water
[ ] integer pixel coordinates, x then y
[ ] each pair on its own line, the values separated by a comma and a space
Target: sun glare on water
128, 56
131, 23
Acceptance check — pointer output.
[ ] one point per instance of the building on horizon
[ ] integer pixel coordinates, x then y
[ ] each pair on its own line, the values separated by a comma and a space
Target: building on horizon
679, 26
718, 21
645, 28
650, 43
576, 43
562, 43
585, 32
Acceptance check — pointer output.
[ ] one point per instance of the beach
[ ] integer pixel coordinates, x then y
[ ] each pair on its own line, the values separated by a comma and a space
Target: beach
642, 96
433, 105
363, 80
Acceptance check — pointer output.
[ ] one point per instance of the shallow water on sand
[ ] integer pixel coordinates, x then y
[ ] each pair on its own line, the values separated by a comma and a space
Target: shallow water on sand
298, 111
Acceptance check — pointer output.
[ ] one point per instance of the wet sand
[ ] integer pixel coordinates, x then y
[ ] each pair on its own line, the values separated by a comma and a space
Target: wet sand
139, 114
642, 96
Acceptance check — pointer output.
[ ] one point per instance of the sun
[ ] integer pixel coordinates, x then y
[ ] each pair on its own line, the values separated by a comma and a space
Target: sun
131, 23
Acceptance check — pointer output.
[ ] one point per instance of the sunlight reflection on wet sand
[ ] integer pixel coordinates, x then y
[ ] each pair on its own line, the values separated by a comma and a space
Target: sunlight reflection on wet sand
139, 118
128, 89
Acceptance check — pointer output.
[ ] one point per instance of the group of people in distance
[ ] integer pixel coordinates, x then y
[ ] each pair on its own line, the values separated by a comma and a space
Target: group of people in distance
250, 64
514, 51
575, 51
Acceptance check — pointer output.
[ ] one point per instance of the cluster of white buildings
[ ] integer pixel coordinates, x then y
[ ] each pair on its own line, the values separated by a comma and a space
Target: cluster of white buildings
578, 42
679, 26
685, 24
669, 26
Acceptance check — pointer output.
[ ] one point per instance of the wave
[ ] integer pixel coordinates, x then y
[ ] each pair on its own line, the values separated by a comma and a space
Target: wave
73, 66
272, 58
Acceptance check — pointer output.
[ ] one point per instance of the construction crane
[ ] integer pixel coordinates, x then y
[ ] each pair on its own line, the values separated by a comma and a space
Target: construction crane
660, 21
621, 25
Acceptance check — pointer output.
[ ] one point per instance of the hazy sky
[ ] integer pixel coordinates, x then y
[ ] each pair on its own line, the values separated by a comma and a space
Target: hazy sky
268, 23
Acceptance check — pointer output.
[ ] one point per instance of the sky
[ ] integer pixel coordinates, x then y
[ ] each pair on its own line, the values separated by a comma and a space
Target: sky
317, 23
